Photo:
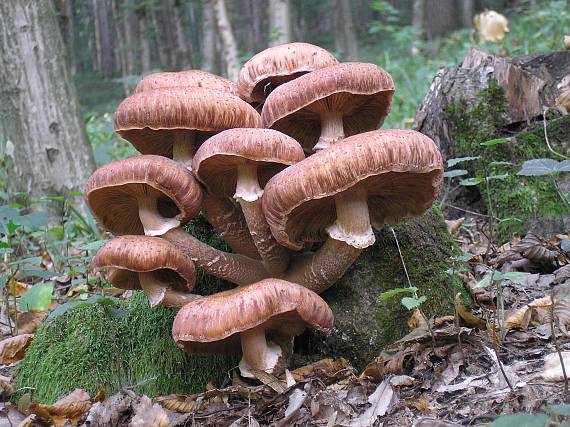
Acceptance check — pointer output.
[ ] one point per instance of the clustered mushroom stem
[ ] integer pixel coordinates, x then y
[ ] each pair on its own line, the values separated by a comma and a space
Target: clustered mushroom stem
153, 223
352, 223
275, 257
247, 186
332, 129
257, 352
183, 147
234, 268
163, 294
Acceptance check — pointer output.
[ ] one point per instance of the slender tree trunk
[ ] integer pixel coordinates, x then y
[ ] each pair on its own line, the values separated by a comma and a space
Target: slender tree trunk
183, 49
441, 17
67, 25
144, 39
279, 22
229, 46
345, 36
164, 51
97, 30
131, 42
120, 49
103, 44
418, 22
208, 36
467, 12
46, 144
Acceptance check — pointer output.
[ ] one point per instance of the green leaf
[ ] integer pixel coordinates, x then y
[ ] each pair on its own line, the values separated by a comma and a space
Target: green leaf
501, 163
471, 181
411, 303
57, 232
396, 291
539, 167
496, 141
6, 251
520, 420
513, 276
484, 282
38, 297
563, 166
453, 162
454, 172
75, 194
94, 299
34, 260
500, 177
12, 226
93, 246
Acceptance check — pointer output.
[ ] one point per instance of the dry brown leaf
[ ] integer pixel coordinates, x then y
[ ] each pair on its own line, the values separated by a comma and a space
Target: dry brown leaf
416, 320
563, 101
18, 287
519, 318
148, 414
68, 409
328, 367
534, 248
453, 226
466, 315
29, 321
491, 26
29, 421
552, 371
6, 385
180, 403
13, 349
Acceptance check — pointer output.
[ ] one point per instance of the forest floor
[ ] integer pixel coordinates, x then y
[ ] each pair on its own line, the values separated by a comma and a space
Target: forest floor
503, 353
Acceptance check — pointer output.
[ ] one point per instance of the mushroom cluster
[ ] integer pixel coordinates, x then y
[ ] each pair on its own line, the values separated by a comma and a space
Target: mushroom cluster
287, 165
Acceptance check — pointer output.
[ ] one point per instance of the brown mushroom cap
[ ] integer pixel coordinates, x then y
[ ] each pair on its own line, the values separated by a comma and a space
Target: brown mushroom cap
216, 161
400, 171
149, 120
122, 258
361, 92
213, 324
280, 64
188, 78
113, 192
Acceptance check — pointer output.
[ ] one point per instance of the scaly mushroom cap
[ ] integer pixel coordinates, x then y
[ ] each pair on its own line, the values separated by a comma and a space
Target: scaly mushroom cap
400, 171
149, 120
114, 190
213, 324
362, 93
122, 258
188, 78
277, 65
216, 161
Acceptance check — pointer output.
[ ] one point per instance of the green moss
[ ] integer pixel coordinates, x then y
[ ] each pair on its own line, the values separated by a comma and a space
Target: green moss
363, 325
516, 200
112, 346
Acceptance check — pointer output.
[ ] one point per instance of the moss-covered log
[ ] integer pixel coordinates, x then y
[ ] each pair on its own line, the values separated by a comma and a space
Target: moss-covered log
363, 325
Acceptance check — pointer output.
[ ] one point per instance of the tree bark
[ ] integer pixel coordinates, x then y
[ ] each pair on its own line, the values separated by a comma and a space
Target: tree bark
103, 43
279, 22
130, 47
208, 36
418, 22
441, 17
467, 12
120, 51
144, 38
229, 46
183, 49
345, 36
67, 25
46, 144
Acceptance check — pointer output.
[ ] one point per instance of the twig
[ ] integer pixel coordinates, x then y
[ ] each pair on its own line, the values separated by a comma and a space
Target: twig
546, 135
557, 343
415, 294
467, 211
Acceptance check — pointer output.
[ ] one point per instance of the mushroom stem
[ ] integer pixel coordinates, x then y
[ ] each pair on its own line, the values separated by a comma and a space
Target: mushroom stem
163, 295
234, 268
247, 186
352, 223
258, 353
227, 219
332, 129
275, 257
319, 270
183, 147
153, 223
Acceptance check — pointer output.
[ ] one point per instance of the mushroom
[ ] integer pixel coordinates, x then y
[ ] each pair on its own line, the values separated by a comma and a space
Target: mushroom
322, 107
148, 193
156, 195
340, 193
188, 78
152, 264
172, 122
277, 65
264, 317
237, 163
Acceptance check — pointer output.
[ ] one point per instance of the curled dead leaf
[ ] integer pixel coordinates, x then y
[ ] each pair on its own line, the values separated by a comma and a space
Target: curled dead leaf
68, 409
562, 102
148, 414
29, 321
416, 320
469, 318
13, 349
491, 26
326, 367
453, 226
180, 403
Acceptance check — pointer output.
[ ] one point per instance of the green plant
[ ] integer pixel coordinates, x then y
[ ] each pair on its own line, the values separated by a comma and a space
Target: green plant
549, 168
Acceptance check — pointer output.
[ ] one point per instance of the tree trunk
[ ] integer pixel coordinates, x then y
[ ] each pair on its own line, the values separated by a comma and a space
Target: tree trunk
183, 48
144, 39
67, 25
208, 36
103, 43
46, 144
120, 50
345, 36
131, 42
164, 49
467, 12
418, 23
279, 22
441, 17
229, 46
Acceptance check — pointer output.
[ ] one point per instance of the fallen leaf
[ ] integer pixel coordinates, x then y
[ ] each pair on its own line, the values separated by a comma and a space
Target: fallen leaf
6, 385
13, 349
297, 398
402, 381
416, 320
148, 414
324, 367
29, 321
381, 401
552, 371
453, 226
68, 409
180, 403
466, 315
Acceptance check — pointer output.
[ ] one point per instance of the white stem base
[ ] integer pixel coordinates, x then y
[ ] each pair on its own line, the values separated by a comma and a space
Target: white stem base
153, 223
258, 353
183, 148
247, 187
332, 130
